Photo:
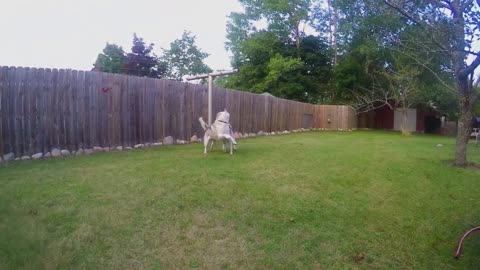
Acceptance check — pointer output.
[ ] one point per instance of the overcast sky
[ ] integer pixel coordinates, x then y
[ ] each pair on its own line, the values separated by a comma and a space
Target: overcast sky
70, 34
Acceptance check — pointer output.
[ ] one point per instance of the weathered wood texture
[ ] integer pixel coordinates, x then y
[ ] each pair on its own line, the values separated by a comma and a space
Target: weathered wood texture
45, 108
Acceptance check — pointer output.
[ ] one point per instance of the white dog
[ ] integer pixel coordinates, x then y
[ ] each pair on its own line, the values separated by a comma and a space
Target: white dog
219, 130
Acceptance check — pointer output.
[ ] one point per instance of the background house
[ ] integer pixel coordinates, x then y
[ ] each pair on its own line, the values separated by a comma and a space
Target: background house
420, 119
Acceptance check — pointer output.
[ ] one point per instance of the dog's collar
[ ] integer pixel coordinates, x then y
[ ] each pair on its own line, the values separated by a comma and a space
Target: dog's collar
222, 121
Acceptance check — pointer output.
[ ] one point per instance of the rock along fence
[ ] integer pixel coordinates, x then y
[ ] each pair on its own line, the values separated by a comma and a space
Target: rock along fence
45, 109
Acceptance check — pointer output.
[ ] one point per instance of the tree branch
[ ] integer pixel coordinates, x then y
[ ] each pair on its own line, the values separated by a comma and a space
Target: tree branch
369, 108
470, 52
445, 4
371, 99
468, 3
449, 87
402, 11
417, 21
471, 68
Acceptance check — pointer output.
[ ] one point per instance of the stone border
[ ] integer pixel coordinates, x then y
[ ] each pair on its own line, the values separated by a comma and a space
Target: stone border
56, 153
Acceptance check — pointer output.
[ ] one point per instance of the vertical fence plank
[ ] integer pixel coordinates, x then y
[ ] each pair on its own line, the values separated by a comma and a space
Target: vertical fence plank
122, 95
27, 111
38, 111
36, 140
200, 107
146, 111
72, 109
188, 100
141, 110
117, 110
18, 110
3, 100
45, 94
75, 102
164, 113
169, 97
129, 95
132, 109
5, 104
180, 95
95, 125
10, 109
157, 112
104, 91
194, 113
80, 110
60, 109
88, 109
150, 118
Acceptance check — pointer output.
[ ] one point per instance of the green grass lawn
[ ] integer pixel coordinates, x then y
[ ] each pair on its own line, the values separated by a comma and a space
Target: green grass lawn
301, 201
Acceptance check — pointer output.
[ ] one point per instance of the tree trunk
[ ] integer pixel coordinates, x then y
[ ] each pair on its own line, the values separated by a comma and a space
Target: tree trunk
405, 121
297, 35
464, 129
334, 36
459, 66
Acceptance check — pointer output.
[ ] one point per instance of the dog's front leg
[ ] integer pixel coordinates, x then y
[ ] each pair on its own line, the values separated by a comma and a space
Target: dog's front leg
232, 141
231, 148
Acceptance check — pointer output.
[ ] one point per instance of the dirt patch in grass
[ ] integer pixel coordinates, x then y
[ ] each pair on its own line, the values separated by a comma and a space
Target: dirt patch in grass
214, 244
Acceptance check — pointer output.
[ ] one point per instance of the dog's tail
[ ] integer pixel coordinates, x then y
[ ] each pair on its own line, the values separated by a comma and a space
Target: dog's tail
204, 125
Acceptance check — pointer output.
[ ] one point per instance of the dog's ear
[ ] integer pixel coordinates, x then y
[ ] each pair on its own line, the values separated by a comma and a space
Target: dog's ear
225, 110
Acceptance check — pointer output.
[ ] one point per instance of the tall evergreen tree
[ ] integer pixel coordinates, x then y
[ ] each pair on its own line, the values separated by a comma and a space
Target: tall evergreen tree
142, 61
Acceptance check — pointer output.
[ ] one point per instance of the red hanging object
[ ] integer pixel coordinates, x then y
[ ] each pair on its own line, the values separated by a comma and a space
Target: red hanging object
105, 89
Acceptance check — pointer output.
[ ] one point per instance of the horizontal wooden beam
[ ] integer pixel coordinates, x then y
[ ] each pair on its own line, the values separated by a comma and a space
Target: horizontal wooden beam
214, 74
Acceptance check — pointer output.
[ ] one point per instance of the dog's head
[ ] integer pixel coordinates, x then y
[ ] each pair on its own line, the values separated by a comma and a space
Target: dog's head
223, 116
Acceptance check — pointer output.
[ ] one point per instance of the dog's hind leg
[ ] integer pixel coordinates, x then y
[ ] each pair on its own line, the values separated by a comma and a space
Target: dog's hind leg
206, 140
231, 148
211, 144
232, 136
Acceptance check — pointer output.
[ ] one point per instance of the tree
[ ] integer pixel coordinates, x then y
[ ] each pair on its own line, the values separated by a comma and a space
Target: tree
112, 60
284, 17
398, 85
283, 77
274, 59
362, 52
256, 52
361, 33
406, 89
239, 28
383, 62
281, 69
452, 26
184, 58
142, 61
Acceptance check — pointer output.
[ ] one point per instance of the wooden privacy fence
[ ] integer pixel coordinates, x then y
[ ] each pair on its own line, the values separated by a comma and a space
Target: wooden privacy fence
41, 109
